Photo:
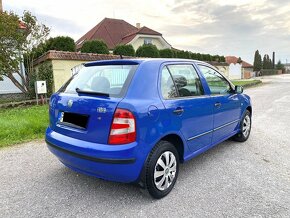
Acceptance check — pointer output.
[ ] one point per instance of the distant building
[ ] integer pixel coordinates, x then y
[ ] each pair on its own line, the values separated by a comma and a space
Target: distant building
242, 70
287, 67
114, 32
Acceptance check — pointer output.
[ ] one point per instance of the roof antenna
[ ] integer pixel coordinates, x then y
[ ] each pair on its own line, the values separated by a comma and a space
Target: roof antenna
121, 56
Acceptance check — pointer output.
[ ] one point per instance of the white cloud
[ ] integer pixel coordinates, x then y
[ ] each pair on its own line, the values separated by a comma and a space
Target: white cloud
216, 26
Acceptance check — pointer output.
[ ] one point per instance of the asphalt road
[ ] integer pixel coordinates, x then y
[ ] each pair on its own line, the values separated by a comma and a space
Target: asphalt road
233, 179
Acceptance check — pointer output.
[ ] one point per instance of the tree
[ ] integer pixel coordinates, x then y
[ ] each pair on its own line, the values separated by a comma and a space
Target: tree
19, 37
95, 46
124, 50
166, 53
279, 65
207, 57
60, 43
267, 62
222, 59
257, 61
198, 56
193, 56
239, 61
216, 58
147, 50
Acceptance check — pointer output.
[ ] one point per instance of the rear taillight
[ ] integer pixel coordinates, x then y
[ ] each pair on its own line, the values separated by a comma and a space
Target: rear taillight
123, 128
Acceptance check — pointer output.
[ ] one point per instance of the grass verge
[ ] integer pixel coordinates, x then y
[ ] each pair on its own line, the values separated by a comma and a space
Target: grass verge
246, 83
19, 125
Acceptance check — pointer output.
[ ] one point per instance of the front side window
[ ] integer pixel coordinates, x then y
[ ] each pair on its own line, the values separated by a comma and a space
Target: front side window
216, 82
186, 80
108, 79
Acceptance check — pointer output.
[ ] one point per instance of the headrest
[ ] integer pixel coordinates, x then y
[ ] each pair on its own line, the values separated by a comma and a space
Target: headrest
101, 84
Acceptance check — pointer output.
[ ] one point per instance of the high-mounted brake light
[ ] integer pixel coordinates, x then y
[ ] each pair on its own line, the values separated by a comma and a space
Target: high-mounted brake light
123, 128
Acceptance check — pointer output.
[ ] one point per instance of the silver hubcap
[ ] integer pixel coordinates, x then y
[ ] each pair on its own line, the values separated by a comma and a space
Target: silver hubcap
246, 126
165, 170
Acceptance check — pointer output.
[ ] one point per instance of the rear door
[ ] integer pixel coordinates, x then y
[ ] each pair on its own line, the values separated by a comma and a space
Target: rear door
225, 102
188, 109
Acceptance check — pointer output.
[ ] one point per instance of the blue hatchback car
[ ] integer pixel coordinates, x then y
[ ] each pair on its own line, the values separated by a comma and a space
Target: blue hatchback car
136, 120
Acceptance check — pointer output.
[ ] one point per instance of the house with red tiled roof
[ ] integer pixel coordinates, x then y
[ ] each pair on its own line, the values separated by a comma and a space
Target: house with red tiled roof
115, 31
239, 69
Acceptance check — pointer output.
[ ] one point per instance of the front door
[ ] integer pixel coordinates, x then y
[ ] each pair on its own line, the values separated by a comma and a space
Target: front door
186, 105
225, 102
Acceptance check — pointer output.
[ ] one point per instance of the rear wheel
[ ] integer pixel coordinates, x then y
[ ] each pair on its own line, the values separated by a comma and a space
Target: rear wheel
245, 128
162, 169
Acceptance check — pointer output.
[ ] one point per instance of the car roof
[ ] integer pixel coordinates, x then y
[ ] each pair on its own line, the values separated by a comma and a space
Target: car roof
136, 61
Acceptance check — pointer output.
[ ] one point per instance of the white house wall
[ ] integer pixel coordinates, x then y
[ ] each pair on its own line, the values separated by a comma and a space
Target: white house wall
235, 71
156, 40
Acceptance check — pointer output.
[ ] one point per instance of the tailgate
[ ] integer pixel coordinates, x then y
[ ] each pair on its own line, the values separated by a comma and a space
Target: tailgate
83, 117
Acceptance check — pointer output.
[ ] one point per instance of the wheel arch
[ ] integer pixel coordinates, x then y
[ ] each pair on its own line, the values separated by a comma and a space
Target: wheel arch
249, 108
178, 143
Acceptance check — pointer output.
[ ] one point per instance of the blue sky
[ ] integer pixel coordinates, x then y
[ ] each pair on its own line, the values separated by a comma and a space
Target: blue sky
237, 27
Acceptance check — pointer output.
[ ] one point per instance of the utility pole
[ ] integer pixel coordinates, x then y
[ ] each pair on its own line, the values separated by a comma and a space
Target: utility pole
1, 7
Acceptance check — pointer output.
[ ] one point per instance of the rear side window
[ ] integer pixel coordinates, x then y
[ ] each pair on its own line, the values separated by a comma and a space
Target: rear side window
168, 88
186, 80
217, 83
108, 79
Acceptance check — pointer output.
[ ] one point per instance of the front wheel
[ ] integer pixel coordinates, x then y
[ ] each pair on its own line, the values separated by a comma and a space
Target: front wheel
245, 128
162, 169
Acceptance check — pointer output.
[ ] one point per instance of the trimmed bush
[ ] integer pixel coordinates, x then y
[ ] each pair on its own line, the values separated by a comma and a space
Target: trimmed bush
166, 53
44, 72
127, 50
148, 50
222, 59
183, 54
60, 43
198, 56
193, 56
269, 72
95, 46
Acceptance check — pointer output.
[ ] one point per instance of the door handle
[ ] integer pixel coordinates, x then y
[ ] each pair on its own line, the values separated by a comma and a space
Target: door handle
178, 111
218, 104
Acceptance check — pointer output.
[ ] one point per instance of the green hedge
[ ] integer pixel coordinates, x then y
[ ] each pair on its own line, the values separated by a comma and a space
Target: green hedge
166, 53
127, 50
269, 72
95, 46
148, 50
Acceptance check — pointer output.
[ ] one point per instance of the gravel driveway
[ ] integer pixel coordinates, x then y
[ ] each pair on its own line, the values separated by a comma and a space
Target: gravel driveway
251, 179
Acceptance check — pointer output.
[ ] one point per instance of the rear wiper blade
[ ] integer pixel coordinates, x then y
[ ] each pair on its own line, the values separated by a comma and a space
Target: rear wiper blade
92, 92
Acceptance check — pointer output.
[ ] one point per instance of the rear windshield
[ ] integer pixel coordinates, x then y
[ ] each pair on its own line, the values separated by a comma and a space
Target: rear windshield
107, 79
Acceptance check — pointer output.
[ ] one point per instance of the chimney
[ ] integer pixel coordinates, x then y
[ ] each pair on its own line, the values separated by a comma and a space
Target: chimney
138, 25
1, 8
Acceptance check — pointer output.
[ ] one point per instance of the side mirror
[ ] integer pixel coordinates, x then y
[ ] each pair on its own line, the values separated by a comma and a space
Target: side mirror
239, 89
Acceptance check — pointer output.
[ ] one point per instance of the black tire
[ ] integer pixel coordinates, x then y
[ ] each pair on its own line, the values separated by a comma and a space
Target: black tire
241, 136
161, 149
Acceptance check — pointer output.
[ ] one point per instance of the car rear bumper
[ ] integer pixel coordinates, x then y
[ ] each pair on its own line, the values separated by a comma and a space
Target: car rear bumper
120, 163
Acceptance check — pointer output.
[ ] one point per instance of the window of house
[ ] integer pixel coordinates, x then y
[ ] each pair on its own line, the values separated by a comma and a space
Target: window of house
147, 41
